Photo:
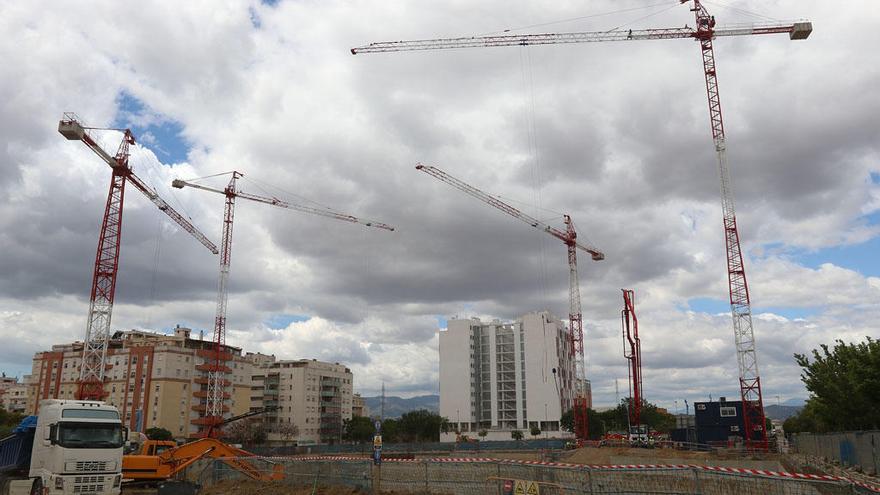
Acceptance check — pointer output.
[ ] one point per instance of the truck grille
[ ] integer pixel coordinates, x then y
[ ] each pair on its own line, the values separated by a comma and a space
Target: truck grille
87, 466
88, 484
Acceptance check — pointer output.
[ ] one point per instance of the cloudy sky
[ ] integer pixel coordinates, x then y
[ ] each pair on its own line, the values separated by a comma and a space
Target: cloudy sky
616, 135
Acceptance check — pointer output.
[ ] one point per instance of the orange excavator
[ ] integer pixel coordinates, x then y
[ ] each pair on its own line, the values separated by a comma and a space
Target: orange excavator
160, 460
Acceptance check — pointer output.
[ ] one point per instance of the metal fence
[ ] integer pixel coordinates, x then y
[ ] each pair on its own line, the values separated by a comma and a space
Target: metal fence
852, 449
488, 476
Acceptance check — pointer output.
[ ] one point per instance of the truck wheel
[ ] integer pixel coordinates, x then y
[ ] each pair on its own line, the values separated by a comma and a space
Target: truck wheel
37, 487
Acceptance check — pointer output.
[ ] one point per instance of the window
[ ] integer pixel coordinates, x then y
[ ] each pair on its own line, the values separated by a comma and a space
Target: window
728, 412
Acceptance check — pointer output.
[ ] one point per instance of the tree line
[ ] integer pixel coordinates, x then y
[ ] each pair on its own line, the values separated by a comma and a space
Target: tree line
413, 426
844, 386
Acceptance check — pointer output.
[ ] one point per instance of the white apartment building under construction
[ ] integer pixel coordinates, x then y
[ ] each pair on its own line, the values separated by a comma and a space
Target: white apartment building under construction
501, 377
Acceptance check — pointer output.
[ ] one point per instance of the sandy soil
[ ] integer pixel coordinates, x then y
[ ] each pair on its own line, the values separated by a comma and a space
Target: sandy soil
623, 455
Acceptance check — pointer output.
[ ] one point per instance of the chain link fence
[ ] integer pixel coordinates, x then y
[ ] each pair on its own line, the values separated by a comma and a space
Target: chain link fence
442, 476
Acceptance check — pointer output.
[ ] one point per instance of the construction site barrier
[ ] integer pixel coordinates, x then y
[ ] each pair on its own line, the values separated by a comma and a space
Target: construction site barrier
859, 449
465, 475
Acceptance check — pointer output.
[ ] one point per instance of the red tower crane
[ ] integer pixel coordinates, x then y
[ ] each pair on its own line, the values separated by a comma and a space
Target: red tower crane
630, 329
90, 385
576, 329
216, 382
704, 33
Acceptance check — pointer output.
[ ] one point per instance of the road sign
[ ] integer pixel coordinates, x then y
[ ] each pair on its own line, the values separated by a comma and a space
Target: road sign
378, 425
377, 441
525, 487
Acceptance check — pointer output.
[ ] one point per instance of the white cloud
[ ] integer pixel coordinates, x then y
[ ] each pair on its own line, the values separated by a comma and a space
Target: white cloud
621, 142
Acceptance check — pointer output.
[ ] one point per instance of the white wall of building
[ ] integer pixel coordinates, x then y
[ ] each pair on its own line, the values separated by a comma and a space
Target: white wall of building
519, 388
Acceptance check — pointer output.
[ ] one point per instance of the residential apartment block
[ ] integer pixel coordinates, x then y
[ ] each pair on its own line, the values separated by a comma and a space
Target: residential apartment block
13, 393
154, 379
160, 380
359, 406
314, 396
501, 377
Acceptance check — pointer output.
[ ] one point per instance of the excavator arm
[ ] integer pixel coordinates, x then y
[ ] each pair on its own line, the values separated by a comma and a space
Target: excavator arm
175, 460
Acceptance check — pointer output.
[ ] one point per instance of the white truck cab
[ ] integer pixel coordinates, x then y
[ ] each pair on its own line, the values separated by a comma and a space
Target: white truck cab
77, 449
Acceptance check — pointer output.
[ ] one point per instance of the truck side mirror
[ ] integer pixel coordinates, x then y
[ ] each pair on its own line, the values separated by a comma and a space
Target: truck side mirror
53, 434
124, 433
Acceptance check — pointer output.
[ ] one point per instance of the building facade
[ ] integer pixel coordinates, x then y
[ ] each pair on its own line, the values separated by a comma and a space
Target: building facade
156, 380
359, 406
500, 377
312, 396
160, 380
13, 394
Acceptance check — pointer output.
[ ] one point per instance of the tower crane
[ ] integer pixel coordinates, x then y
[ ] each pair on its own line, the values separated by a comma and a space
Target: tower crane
216, 358
630, 329
576, 329
704, 32
90, 384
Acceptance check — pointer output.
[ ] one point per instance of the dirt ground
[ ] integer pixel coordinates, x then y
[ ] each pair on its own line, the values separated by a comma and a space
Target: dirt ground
250, 487
623, 455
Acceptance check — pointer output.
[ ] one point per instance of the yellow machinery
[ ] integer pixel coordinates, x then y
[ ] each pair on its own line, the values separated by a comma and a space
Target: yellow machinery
159, 460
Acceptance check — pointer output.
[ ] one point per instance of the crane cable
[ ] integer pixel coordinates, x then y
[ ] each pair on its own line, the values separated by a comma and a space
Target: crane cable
580, 18
741, 11
531, 131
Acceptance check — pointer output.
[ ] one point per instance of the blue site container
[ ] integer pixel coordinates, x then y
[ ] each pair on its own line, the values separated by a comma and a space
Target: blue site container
15, 450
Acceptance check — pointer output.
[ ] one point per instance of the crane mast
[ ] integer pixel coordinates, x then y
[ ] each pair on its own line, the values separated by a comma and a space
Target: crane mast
740, 305
704, 33
576, 329
216, 382
630, 329
90, 384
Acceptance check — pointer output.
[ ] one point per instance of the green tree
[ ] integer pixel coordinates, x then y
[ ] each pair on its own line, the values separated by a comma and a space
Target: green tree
483, 433
616, 419
156, 433
391, 431
535, 431
805, 420
516, 435
358, 429
421, 426
595, 423
844, 383
8, 421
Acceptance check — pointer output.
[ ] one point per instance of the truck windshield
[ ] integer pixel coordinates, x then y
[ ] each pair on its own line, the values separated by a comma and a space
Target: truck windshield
90, 435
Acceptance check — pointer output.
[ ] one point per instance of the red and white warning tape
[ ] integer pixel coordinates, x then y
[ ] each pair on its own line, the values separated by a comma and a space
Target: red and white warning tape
732, 470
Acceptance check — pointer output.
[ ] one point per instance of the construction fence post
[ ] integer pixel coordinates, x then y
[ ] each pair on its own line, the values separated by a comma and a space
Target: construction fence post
426, 477
589, 473
698, 485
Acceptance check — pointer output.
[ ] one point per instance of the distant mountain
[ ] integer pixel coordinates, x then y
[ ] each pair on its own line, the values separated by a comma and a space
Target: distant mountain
396, 406
781, 412
795, 402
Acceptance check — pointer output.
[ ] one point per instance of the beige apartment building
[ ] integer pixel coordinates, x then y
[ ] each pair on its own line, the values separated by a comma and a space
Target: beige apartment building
13, 394
314, 396
154, 379
160, 380
359, 406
